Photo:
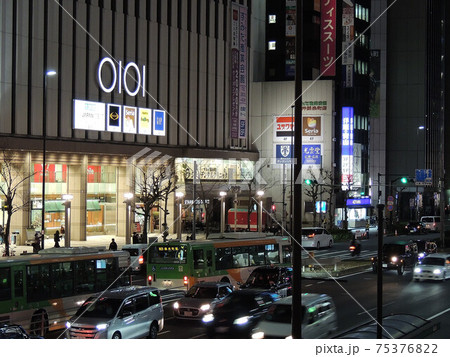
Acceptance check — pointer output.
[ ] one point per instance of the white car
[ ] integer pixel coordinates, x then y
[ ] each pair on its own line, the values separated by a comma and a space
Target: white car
316, 237
319, 318
435, 266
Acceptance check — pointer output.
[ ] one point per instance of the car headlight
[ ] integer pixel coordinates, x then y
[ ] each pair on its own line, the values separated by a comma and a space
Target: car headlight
417, 270
208, 318
421, 255
205, 307
437, 271
241, 320
394, 259
176, 305
68, 324
258, 335
101, 327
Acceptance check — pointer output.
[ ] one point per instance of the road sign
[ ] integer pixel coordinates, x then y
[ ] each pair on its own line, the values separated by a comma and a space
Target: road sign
390, 207
424, 177
390, 201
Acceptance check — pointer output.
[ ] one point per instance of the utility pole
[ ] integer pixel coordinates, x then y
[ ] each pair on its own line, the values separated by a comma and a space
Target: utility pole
297, 214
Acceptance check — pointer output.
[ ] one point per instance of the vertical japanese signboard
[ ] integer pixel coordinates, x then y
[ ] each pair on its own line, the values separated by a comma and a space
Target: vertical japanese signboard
347, 147
348, 34
328, 37
239, 72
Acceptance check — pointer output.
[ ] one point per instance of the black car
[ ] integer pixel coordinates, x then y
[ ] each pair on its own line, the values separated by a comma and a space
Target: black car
14, 332
275, 279
238, 313
415, 228
397, 256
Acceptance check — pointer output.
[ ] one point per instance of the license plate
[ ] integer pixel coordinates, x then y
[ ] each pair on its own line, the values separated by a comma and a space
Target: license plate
221, 329
384, 265
187, 313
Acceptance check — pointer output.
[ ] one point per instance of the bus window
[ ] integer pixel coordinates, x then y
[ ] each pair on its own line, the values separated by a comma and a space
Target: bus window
224, 259
286, 253
165, 254
85, 276
38, 280
240, 257
272, 255
199, 261
66, 279
209, 260
256, 255
18, 283
5, 284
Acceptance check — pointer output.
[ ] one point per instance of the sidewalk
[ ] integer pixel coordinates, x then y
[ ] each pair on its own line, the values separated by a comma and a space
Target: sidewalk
91, 241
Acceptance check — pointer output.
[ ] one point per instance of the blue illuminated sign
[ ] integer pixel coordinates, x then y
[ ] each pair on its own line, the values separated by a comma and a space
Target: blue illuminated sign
311, 154
358, 201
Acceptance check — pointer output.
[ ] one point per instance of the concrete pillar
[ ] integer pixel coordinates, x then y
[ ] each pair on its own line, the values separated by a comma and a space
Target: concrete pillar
123, 186
77, 186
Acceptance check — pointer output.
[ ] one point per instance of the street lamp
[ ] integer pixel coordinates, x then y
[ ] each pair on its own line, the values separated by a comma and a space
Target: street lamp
179, 196
67, 214
49, 73
260, 194
128, 198
222, 211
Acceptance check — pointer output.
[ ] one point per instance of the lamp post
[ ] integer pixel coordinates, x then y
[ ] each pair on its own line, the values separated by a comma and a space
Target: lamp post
222, 211
49, 73
128, 198
179, 196
67, 214
416, 203
260, 194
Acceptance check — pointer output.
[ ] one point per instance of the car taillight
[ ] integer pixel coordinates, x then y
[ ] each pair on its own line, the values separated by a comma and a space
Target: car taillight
185, 280
141, 259
352, 247
311, 235
150, 280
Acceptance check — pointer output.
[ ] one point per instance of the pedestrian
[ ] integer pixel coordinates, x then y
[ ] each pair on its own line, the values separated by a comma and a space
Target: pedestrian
56, 238
37, 243
1, 234
113, 245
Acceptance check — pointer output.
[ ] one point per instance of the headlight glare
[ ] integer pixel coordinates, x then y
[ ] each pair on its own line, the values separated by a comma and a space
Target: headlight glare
258, 335
241, 320
101, 327
208, 318
437, 271
68, 324
394, 259
417, 270
176, 305
205, 307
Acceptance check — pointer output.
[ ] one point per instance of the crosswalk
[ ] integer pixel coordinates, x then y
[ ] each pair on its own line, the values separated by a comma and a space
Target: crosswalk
342, 254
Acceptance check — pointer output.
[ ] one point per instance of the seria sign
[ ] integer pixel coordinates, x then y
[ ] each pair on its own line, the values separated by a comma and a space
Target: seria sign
119, 77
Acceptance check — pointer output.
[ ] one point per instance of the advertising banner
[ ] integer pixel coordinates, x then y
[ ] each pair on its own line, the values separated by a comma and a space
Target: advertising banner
145, 121
89, 115
311, 154
159, 122
328, 38
284, 153
234, 100
312, 128
243, 73
129, 120
114, 122
347, 147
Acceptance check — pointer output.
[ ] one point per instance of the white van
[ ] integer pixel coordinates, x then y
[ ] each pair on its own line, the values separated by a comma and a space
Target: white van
137, 256
431, 223
319, 318
130, 312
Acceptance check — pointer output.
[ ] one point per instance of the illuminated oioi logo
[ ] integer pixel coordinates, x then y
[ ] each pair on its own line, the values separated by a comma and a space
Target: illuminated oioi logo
120, 75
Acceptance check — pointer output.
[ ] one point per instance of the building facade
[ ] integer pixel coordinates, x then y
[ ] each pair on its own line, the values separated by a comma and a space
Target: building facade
135, 80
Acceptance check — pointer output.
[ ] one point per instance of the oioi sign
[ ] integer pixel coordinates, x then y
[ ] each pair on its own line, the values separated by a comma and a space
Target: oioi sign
118, 76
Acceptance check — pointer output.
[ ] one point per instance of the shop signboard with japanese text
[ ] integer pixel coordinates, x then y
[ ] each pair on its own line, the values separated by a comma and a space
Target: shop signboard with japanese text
328, 38
312, 128
312, 154
347, 147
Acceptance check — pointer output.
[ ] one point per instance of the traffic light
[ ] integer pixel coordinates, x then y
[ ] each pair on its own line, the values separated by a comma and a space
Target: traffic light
308, 181
404, 180
273, 208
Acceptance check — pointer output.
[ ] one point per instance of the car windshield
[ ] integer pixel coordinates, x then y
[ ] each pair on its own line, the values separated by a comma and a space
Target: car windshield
281, 313
133, 252
433, 261
428, 220
307, 232
200, 292
394, 249
241, 301
103, 307
262, 278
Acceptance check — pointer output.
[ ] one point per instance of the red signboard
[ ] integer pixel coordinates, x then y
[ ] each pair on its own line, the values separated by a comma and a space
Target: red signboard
53, 173
328, 37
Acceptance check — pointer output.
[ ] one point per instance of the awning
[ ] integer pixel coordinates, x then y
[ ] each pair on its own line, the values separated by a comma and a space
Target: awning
54, 206
93, 205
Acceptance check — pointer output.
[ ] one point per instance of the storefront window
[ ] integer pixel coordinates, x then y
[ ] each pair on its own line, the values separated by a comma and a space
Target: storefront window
55, 187
101, 208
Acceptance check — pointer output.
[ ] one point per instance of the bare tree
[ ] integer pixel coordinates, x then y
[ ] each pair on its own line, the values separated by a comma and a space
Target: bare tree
11, 180
169, 185
153, 183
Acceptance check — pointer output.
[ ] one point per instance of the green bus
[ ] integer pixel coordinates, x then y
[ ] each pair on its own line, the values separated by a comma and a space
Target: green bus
230, 257
42, 291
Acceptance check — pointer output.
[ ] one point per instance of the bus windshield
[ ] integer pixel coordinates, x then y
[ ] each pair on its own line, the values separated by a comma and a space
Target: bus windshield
165, 254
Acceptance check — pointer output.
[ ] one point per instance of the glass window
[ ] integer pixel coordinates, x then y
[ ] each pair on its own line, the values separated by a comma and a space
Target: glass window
85, 276
5, 284
38, 282
18, 283
101, 307
199, 261
272, 255
155, 298
164, 254
66, 279
209, 259
256, 255
224, 259
141, 302
240, 257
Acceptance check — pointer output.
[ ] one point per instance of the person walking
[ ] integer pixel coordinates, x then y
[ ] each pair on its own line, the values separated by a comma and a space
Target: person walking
113, 245
56, 238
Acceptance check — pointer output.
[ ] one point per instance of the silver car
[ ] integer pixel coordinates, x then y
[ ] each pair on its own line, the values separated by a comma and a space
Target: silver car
200, 299
433, 267
131, 312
